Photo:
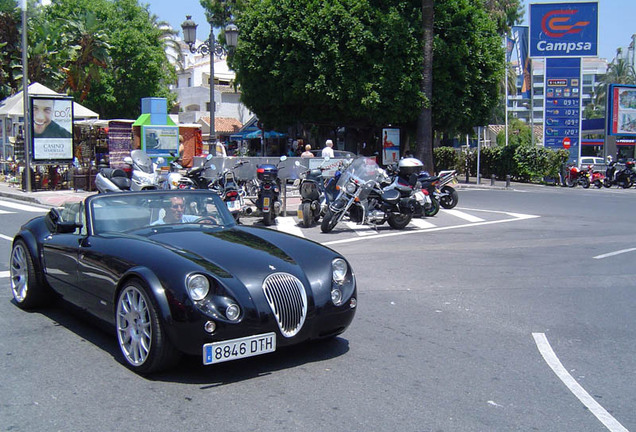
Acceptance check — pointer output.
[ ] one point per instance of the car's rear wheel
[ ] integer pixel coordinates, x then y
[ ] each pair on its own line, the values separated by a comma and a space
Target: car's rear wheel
140, 333
27, 290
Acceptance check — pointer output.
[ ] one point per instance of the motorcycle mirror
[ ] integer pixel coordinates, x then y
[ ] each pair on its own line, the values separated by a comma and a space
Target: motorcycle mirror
208, 157
212, 166
160, 160
297, 163
283, 158
327, 158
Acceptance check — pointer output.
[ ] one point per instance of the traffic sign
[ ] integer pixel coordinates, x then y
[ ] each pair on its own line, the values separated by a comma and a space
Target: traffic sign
566, 142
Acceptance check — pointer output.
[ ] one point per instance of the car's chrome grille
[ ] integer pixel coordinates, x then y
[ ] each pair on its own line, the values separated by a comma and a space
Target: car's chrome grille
288, 300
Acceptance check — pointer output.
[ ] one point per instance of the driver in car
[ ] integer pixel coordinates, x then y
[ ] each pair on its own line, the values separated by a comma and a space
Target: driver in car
174, 213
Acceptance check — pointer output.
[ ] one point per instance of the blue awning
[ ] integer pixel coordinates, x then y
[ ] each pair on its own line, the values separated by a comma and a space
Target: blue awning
268, 134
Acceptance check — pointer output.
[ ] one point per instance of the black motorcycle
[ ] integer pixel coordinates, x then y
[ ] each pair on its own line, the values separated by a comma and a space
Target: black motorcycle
267, 201
363, 198
316, 192
619, 177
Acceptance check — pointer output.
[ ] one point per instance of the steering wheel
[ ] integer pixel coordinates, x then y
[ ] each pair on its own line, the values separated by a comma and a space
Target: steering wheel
209, 220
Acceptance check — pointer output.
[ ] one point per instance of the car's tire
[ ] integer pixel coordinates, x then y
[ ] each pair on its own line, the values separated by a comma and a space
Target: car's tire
433, 209
308, 215
451, 198
140, 333
28, 290
329, 221
399, 221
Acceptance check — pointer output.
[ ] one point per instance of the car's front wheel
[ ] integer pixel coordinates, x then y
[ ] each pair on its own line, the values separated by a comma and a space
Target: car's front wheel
27, 290
140, 334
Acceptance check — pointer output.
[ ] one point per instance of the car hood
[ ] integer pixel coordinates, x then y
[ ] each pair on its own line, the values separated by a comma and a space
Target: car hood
249, 254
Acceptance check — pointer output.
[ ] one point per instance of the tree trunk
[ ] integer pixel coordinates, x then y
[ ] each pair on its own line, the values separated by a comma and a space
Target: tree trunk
424, 136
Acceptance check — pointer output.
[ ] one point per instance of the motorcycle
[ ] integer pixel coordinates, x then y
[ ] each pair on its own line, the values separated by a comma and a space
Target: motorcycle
575, 176
112, 180
316, 192
619, 177
444, 193
596, 177
267, 201
362, 197
174, 179
226, 185
144, 172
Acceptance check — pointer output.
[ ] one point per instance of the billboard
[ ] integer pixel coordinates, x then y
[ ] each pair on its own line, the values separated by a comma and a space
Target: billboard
390, 146
621, 103
51, 129
160, 140
564, 29
562, 110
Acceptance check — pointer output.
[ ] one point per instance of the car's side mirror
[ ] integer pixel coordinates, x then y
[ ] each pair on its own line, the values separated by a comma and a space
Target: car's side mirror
67, 227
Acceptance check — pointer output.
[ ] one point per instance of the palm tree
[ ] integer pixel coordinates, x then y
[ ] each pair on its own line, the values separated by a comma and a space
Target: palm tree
90, 53
171, 46
618, 72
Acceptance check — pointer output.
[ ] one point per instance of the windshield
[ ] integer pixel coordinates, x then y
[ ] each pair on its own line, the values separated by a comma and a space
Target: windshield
141, 161
362, 170
126, 212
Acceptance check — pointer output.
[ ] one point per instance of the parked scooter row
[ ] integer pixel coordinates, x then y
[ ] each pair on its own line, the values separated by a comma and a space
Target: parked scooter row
143, 176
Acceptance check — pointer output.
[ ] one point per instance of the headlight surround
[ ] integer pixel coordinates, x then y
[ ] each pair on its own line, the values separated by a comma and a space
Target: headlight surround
339, 270
233, 312
198, 286
350, 188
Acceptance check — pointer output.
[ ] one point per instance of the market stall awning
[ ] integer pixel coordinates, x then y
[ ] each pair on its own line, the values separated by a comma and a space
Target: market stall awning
268, 134
13, 106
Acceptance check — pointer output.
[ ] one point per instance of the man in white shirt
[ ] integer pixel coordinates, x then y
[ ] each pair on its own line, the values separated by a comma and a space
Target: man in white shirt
327, 150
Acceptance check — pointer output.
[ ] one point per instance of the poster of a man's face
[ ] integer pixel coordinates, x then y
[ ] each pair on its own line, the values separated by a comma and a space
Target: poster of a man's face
52, 125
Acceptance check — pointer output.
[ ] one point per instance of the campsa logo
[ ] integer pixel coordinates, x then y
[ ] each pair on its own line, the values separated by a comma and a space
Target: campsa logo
557, 24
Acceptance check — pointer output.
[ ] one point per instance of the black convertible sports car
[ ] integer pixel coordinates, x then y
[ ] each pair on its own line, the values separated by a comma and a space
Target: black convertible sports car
174, 273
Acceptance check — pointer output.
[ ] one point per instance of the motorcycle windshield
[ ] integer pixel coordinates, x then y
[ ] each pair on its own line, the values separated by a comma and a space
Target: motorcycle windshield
141, 161
361, 170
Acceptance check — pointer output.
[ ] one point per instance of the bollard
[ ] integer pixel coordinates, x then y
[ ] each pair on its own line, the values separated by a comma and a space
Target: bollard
492, 180
507, 180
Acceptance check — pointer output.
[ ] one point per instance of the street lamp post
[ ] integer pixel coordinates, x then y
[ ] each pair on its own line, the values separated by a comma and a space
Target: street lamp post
26, 126
212, 48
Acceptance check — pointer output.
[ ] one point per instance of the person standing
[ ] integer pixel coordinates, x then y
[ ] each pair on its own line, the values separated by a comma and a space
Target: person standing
307, 153
327, 151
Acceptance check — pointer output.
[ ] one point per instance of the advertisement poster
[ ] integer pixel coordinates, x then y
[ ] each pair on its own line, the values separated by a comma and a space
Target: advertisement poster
51, 128
157, 140
390, 146
564, 29
622, 103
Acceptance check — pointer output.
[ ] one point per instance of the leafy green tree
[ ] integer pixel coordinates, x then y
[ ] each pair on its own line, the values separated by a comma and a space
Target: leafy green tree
10, 48
620, 71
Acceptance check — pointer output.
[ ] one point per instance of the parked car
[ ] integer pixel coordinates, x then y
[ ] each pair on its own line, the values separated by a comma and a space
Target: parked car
173, 273
585, 161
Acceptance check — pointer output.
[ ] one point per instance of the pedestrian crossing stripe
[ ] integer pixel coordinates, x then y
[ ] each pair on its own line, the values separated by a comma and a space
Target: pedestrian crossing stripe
22, 207
464, 216
5, 212
289, 225
5, 274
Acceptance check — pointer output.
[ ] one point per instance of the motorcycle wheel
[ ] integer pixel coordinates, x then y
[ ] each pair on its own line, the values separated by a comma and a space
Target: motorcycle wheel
329, 222
598, 184
433, 209
569, 182
267, 218
450, 199
627, 183
585, 182
607, 183
307, 214
399, 221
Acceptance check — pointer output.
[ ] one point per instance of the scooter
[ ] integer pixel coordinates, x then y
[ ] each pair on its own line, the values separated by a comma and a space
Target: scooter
316, 192
144, 171
175, 180
112, 180
267, 201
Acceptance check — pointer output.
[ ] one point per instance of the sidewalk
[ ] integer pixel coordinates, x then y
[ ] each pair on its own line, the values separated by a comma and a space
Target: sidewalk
59, 197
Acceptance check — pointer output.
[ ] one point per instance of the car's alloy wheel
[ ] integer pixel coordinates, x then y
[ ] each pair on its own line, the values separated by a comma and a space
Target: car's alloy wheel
26, 289
141, 338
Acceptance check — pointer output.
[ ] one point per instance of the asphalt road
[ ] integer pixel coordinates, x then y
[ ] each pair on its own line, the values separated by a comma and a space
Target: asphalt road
515, 314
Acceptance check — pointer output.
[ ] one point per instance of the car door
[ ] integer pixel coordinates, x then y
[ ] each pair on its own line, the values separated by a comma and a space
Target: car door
60, 252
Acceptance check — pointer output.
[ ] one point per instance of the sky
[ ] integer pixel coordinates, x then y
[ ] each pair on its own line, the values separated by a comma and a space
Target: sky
617, 20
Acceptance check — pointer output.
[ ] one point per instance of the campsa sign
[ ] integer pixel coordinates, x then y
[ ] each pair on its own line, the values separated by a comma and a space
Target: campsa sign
564, 29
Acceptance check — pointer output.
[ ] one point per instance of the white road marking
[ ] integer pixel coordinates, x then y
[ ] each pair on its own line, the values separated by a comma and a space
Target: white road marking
5, 212
361, 230
289, 225
462, 215
2, 236
609, 254
515, 217
590, 403
23, 207
5, 274
422, 224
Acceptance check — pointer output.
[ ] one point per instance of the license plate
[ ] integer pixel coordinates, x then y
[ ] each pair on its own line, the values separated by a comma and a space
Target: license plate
299, 213
266, 204
234, 205
235, 349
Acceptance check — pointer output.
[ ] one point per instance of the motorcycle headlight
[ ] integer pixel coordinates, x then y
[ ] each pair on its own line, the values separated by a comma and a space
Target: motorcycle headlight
339, 270
198, 286
350, 188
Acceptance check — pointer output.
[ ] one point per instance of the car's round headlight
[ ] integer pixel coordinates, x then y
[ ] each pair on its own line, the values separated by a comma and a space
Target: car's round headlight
233, 312
336, 296
339, 269
198, 286
350, 188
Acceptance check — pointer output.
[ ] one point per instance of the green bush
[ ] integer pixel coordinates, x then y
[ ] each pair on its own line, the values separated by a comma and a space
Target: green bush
445, 158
